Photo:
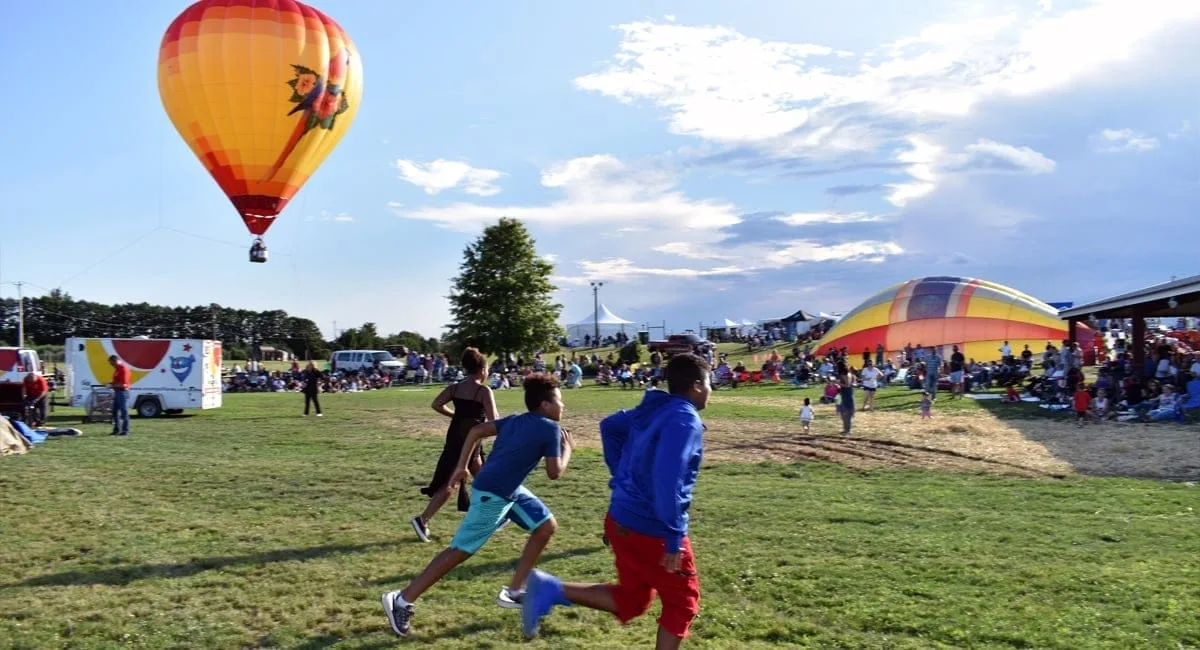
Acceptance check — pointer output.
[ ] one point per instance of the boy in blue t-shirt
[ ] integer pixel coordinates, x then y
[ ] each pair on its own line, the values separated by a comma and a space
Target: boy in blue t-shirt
499, 496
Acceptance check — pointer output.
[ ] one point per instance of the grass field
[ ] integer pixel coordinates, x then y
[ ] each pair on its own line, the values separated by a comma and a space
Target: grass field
250, 526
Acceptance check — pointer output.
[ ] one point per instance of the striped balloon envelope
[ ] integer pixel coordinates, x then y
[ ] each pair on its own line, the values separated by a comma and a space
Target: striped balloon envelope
261, 91
940, 312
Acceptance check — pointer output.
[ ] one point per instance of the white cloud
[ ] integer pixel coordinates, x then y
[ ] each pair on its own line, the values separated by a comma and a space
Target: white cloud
1123, 140
597, 191
444, 174
928, 162
989, 155
602, 193
1185, 130
341, 217
721, 85
758, 256
810, 218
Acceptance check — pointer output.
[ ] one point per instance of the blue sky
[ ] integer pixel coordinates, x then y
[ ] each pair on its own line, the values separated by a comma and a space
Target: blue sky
704, 159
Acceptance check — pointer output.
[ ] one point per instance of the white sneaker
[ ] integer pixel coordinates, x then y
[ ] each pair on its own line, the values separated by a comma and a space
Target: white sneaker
509, 599
320, 415
399, 616
421, 529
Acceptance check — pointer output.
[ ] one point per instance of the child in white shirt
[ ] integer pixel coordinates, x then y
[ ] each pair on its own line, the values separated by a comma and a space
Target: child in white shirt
806, 414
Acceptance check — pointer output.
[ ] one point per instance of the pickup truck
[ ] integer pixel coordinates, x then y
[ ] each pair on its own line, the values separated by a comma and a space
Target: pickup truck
15, 363
680, 344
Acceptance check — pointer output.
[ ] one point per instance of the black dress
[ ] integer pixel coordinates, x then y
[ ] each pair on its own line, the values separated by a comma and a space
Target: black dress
467, 413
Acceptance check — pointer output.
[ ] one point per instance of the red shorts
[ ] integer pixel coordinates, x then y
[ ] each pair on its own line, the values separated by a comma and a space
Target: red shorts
640, 574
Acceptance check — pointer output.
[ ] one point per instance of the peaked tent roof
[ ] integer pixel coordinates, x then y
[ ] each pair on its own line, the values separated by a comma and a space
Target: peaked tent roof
606, 318
800, 316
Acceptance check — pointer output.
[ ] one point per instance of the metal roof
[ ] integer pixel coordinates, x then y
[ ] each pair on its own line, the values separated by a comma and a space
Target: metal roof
1154, 302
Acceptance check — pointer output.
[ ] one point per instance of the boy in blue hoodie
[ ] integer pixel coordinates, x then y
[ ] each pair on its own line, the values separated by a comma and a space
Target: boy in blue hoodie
653, 453
522, 441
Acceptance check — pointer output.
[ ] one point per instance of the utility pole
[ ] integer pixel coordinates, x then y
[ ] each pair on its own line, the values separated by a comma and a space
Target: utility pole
596, 312
21, 317
20, 313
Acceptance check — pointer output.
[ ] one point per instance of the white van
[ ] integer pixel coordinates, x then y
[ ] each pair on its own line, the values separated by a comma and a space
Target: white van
365, 360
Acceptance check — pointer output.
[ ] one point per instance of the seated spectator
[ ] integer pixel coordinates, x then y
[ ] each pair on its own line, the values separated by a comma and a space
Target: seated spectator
831, 393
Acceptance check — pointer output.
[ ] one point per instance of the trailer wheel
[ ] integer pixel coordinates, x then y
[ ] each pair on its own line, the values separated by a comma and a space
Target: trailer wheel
149, 408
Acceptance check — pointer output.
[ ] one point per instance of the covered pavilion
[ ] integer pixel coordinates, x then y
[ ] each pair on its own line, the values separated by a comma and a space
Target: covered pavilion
1174, 299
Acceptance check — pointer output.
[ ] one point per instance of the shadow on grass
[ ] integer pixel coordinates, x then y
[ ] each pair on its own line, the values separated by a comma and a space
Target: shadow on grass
467, 570
124, 575
467, 630
330, 640
1161, 450
64, 419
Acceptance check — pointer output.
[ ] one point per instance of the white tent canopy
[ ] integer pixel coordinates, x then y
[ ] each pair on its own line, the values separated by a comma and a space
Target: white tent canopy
609, 323
606, 318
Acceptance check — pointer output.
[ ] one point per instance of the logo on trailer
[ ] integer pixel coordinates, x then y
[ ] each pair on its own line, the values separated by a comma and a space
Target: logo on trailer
181, 367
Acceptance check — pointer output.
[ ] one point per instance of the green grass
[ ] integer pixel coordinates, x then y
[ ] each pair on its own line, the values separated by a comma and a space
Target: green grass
251, 527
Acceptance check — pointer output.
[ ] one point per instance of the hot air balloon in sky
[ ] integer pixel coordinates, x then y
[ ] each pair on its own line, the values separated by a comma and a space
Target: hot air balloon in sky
939, 312
262, 91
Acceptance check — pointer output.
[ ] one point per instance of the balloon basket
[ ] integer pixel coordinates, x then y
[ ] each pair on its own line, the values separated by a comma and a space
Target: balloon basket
258, 252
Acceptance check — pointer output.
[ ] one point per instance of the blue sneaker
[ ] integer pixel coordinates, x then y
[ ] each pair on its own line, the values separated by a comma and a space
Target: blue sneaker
542, 592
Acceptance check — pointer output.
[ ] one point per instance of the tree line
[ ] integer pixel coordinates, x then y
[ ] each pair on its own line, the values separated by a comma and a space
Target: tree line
53, 318
501, 302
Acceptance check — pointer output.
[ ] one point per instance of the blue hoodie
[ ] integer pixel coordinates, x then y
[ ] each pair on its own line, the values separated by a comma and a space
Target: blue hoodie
653, 453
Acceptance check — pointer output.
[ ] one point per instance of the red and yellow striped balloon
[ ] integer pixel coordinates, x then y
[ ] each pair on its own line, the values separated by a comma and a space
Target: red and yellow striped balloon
940, 312
262, 91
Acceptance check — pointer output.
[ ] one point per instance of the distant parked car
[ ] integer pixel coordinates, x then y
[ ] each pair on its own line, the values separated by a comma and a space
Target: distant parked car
680, 344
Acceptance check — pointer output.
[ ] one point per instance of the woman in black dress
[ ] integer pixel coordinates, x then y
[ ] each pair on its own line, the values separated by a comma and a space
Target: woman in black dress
473, 404
311, 378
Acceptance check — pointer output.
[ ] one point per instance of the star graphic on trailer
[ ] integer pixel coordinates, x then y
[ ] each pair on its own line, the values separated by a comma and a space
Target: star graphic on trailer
187, 347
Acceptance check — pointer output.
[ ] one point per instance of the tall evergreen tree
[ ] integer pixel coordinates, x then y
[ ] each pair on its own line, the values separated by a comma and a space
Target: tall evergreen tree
501, 300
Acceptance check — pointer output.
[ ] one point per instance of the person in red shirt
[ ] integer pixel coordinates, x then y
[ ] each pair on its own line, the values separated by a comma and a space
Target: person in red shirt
120, 406
1083, 403
36, 391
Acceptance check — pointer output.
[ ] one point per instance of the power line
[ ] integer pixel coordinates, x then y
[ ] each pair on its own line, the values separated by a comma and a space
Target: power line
214, 240
109, 256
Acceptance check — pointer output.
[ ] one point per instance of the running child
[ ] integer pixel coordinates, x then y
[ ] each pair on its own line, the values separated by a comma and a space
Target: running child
806, 414
653, 453
521, 442
926, 405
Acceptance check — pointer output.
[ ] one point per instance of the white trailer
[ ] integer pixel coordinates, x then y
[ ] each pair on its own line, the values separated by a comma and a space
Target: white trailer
166, 375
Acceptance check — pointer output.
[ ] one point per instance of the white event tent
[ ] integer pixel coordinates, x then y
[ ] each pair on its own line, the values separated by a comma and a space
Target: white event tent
609, 322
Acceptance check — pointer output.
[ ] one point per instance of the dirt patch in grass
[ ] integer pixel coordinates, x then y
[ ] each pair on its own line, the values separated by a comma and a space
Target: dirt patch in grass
975, 443
960, 442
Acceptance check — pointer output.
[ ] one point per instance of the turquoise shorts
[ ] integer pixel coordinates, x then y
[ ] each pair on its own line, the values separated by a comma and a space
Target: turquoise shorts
489, 511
